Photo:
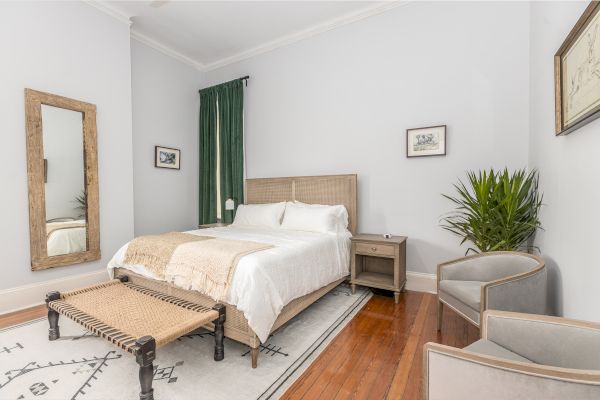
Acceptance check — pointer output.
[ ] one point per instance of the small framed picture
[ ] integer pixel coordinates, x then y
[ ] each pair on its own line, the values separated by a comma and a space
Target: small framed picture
166, 157
422, 142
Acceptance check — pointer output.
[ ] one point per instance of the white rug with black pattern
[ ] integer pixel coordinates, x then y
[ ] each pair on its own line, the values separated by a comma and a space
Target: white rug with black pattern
81, 366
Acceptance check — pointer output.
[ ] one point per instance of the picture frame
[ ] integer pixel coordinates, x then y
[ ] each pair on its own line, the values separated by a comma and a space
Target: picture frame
167, 157
426, 142
577, 74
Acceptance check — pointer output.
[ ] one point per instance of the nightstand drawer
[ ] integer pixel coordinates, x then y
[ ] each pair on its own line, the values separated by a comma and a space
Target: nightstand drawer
375, 249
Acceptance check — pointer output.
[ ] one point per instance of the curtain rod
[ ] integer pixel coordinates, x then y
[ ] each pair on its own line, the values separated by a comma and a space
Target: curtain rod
243, 78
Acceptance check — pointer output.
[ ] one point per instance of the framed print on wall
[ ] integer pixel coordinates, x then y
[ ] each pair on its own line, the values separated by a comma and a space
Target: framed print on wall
165, 157
577, 73
430, 141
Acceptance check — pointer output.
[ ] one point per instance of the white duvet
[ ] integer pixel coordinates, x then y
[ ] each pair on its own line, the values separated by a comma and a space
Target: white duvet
265, 281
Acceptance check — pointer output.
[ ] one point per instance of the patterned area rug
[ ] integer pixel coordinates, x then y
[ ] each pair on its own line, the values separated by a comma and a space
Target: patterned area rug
84, 367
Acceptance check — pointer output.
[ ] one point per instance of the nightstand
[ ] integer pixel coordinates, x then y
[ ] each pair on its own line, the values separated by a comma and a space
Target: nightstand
379, 262
215, 225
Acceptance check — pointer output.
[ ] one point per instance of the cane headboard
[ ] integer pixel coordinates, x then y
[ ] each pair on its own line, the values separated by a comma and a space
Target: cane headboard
325, 189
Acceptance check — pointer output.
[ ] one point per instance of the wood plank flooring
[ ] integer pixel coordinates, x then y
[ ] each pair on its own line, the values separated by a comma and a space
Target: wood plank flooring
19, 317
378, 355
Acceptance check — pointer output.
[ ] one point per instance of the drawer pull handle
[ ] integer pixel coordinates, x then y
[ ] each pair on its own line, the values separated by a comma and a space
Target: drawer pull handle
373, 248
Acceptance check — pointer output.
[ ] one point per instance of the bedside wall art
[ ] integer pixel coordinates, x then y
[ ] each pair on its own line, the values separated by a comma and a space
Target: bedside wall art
422, 142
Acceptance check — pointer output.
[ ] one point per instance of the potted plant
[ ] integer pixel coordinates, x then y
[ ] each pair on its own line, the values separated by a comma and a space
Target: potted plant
496, 211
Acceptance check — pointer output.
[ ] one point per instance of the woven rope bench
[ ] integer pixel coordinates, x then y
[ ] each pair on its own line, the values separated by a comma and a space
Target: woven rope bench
137, 319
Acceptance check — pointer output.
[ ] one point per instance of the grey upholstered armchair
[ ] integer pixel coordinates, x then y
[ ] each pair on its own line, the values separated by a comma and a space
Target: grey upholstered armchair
503, 280
520, 356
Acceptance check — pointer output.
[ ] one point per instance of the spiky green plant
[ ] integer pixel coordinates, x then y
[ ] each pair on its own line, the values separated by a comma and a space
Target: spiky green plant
81, 204
496, 211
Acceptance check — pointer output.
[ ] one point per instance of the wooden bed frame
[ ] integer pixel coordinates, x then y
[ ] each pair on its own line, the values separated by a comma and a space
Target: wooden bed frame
326, 189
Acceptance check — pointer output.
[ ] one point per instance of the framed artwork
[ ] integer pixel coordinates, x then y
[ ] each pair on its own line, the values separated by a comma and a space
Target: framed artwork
430, 141
577, 73
166, 157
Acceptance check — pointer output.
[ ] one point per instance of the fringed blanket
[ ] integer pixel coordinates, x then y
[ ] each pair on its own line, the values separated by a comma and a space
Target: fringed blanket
201, 263
155, 251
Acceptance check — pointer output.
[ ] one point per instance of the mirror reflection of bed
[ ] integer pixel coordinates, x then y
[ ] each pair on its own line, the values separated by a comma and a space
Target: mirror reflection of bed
65, 236
64, 181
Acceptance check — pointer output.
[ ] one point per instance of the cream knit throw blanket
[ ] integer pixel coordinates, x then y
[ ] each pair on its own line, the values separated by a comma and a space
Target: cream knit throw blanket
201, 263
208, 267
155, 251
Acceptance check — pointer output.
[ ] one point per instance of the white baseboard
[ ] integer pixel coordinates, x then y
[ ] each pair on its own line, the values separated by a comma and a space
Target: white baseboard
421, 282
26, 296
21, 297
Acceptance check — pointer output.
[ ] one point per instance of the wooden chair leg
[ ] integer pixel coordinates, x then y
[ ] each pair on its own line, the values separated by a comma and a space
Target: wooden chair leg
254, 355
219, 332
53, 331
145, 355
440, 314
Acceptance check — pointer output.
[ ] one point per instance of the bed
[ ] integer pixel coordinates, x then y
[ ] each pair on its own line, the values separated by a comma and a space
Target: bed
272, 286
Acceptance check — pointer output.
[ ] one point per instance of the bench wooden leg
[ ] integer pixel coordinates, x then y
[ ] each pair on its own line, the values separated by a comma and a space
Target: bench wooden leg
144, 355
53, 331
254, 355
219, 332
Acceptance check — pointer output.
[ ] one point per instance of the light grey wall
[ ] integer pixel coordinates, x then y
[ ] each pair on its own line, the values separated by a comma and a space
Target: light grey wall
340, 102
74, 50
63, 150
165, 113
569, 171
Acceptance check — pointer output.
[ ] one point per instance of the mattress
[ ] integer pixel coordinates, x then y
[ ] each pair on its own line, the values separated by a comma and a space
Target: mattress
265, 281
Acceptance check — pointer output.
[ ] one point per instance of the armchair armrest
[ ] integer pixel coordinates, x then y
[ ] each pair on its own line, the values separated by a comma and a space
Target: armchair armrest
554, 341
451, 373
524, 292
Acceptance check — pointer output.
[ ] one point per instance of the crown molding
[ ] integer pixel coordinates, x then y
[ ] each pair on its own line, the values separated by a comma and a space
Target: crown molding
113, 12
307, 33
261, 49
107, 9
166, 50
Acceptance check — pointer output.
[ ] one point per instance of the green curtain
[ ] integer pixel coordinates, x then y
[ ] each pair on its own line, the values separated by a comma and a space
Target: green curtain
231, 132
208, 157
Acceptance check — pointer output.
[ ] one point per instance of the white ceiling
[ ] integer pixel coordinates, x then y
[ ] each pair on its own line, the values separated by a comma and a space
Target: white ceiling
210, 34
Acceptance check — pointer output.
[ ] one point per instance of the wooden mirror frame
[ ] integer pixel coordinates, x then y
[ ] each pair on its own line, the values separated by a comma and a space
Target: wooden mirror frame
35, 176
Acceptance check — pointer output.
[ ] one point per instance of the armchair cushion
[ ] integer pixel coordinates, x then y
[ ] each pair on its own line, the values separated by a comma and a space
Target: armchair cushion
468, 292
490, 348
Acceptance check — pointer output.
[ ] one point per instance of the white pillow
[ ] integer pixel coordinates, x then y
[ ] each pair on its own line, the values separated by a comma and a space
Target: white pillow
260, 215
340, 212
314, 217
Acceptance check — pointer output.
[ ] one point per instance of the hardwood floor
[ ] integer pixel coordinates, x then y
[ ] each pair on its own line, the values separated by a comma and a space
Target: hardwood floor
378, 355
22, 316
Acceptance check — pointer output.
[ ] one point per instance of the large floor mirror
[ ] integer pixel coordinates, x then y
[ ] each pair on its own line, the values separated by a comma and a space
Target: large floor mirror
62, 170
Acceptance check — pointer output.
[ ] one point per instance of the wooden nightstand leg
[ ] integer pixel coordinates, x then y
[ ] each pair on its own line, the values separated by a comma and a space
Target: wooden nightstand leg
353, 288
396, 297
